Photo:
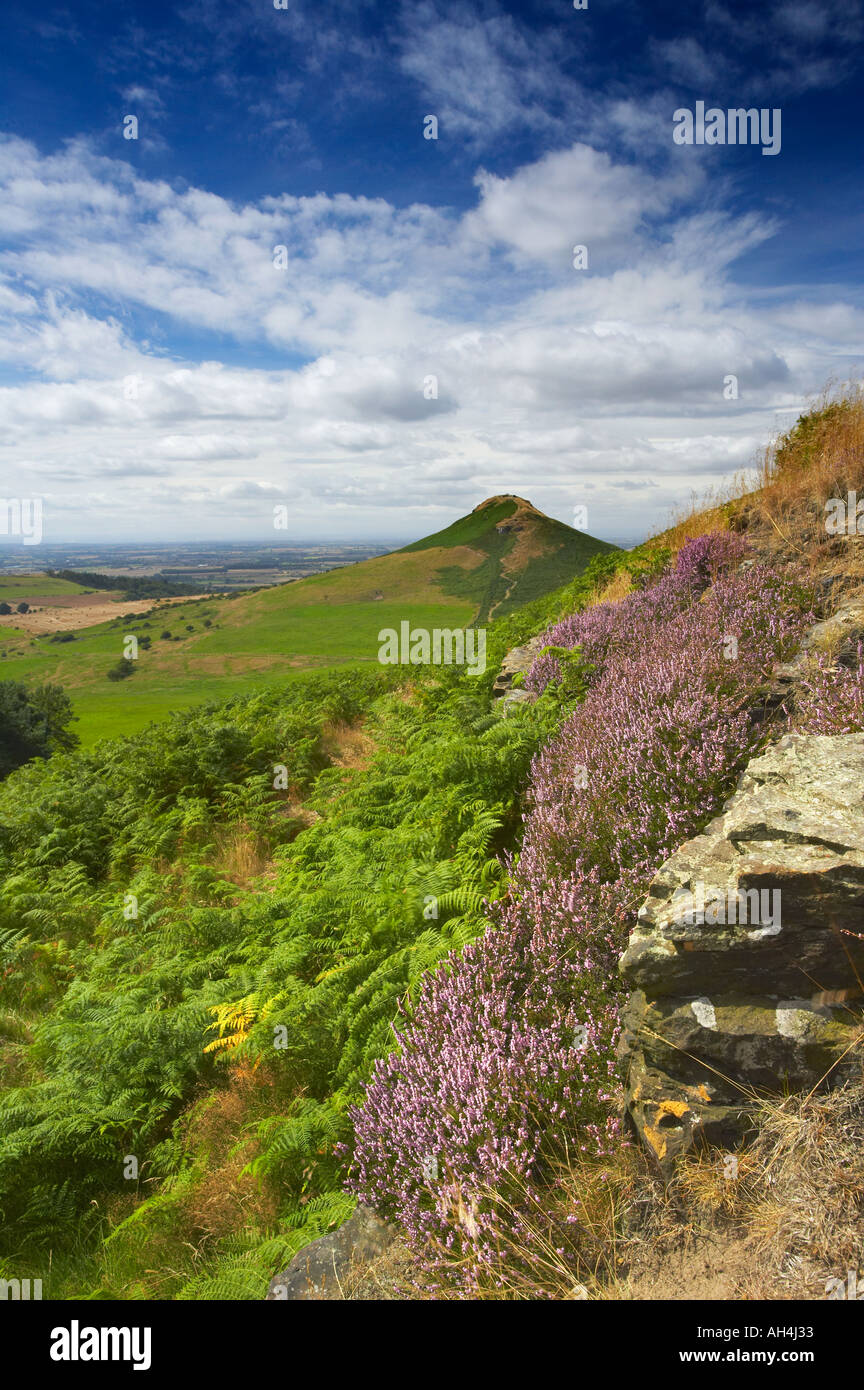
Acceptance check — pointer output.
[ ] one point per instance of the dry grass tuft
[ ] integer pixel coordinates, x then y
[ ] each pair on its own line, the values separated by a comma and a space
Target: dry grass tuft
804, 1205
225, 1198
775, 1221
821, 456
705, 513
347, 745
241, 855
619, 586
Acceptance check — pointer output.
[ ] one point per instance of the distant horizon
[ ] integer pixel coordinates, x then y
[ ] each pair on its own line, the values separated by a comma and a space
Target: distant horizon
296, 542
284, 541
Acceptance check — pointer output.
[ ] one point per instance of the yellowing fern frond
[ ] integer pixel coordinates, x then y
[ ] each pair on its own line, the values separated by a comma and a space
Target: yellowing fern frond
233, 1022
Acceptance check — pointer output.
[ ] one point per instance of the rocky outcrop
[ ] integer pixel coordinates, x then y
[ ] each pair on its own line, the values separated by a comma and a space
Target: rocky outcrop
842, 631
322, 1269
517, 662
745, 968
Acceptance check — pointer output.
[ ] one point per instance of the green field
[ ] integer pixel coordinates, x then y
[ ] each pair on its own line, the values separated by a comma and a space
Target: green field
16, 587
256, 639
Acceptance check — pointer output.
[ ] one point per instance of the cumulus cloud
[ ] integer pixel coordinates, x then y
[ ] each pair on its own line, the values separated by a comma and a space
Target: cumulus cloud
409, 360
571, 196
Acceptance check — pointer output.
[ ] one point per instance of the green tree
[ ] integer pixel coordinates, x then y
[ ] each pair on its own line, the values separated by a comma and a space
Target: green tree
33, 723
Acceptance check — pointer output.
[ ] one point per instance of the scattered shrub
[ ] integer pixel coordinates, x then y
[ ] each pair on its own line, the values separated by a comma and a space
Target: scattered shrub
121, 671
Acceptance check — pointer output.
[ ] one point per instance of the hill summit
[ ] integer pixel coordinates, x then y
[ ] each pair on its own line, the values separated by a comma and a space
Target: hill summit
506, 552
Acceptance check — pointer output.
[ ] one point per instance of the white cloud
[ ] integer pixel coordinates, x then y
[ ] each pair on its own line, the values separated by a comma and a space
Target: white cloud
486, 76
204, 446
247, 488
574, 196
548, 381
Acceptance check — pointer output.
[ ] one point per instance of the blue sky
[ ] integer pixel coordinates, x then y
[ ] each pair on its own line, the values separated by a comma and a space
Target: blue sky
162, 378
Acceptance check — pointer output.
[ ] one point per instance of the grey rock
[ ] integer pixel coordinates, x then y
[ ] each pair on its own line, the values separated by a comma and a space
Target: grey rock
319, 1271
743, 972
513, 698
518, 661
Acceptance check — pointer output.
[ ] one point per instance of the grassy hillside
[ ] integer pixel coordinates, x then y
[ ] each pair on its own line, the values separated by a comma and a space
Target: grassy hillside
220, 647
126, 1020
31, 588
247, 642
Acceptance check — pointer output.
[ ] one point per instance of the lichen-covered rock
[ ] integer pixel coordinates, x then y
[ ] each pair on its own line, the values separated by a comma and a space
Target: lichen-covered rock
517, 661
321, 1269
513, 698
745, 965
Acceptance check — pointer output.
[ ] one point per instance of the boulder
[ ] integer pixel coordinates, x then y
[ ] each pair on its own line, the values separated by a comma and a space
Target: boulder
746, 965
513, 698
320, 1270
518, 661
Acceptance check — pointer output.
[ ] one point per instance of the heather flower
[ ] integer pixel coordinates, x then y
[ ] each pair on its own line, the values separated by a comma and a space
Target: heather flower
608, 629
510, 1049
830, 698
704, 559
